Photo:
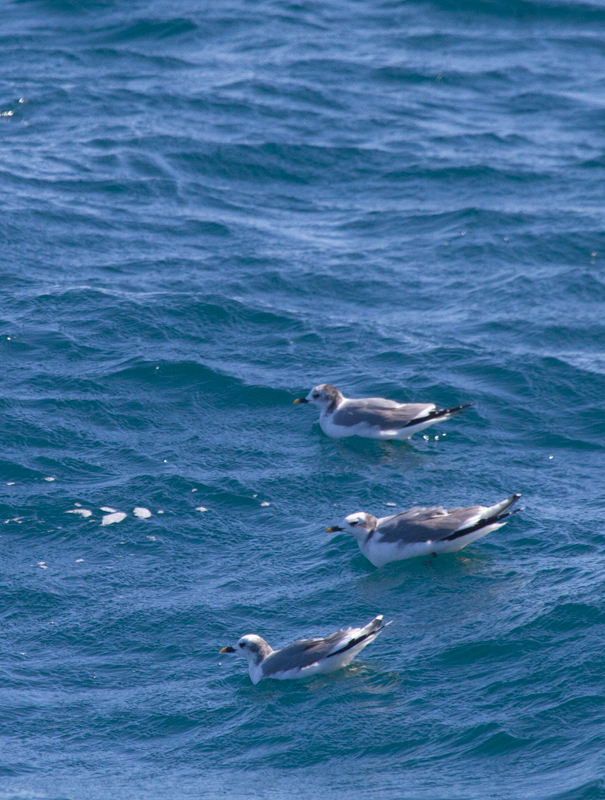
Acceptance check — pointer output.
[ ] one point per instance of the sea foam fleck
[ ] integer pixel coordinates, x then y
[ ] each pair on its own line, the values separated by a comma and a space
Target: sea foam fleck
141, 513
109, 519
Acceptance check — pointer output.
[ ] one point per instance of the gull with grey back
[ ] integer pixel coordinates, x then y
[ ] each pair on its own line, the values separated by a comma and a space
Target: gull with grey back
423, 531
373, 417
305, 657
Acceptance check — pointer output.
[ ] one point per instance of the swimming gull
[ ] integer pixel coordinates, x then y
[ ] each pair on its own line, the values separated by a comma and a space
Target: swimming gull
307, 656
373, 417
423, 531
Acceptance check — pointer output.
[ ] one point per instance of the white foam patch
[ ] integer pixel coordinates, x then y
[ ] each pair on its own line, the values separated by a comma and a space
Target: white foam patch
108, 509
265, 504
109, 519
141, 513
201, 508
81, 512
391, 504
11, 483
50, 480
42, 565
79, 560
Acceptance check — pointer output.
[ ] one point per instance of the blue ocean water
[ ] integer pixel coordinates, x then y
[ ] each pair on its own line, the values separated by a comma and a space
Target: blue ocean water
206, 210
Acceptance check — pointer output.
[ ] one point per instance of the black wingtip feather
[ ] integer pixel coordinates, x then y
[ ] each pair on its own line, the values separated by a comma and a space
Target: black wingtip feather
359, 639
483, 523
438, 413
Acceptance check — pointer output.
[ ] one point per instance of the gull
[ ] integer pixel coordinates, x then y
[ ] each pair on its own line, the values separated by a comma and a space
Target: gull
423, 531
373, 417
307, 656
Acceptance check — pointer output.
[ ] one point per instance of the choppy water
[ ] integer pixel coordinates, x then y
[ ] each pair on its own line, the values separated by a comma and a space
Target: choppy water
206, 210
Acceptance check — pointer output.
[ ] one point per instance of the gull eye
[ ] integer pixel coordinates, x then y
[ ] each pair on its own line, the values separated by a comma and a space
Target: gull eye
355, 522
242, 644
315, 396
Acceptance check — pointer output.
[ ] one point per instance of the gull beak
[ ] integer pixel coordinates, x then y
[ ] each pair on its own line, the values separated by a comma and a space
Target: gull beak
333, 529
300, 400
228, 650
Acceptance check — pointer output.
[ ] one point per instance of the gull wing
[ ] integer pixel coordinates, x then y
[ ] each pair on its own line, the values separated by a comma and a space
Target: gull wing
427, 524
306, 652
303, 653
378, 412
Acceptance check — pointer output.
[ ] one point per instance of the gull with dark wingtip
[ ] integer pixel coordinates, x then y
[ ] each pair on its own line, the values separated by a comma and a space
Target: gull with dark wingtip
306, 657
423, 531
373, 417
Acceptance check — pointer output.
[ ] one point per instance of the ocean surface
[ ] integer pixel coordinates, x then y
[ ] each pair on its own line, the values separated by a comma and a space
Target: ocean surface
207, 209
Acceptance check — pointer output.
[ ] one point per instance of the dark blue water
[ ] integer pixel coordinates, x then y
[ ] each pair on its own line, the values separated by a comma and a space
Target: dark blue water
207, 209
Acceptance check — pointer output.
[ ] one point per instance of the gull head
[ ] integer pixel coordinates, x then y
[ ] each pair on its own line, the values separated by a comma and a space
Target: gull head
254, 648
359, 524
325, 396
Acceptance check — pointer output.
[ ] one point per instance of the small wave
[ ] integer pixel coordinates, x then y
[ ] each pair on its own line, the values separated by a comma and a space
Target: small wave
572, 13
489, 740
149, 29
565, 617
108, 54
478, 172
589, 790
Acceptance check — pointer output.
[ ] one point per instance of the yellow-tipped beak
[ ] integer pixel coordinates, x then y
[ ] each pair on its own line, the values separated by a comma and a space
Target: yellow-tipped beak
227, 650
300, 400
333, 529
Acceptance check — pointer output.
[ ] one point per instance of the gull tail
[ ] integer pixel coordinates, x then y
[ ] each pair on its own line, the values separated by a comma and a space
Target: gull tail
439, 414
375, 626
500, 508
491, 516
366, 635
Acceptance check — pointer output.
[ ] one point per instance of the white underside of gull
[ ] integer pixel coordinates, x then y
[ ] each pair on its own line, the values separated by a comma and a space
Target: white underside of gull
381, 553
323, 667
368, 431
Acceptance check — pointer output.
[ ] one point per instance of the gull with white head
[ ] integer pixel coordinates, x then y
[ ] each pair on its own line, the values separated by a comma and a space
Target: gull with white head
423, 531
373, 417
306, 657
